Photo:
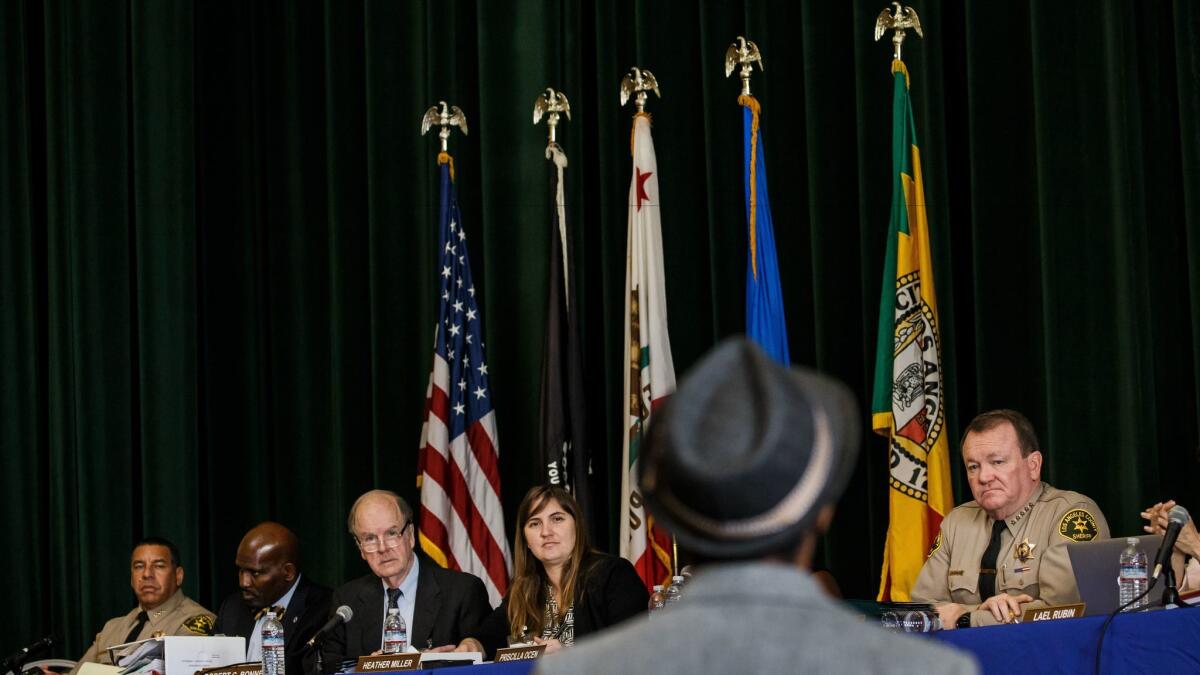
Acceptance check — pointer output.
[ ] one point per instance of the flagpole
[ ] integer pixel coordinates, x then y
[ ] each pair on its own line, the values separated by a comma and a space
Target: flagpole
460, 522
920, 492
566, 460
649, 373
551, 104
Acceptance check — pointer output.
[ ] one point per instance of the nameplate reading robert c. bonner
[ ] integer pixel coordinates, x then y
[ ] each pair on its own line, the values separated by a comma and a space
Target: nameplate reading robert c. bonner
243, 669
382, 662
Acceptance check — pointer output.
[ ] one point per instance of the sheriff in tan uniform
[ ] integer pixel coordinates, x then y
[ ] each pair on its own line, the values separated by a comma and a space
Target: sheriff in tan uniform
1032, 558
180, 615
1006, 551
155, 575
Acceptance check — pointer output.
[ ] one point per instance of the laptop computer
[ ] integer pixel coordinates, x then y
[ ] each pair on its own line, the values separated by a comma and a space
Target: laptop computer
1096, 565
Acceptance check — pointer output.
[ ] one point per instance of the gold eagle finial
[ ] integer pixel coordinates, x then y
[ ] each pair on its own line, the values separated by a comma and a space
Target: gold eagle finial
901, 19
448, 116
745, 53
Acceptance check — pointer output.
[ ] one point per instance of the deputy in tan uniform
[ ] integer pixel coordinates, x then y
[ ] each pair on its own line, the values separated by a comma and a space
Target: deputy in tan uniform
163, 609
1006, 551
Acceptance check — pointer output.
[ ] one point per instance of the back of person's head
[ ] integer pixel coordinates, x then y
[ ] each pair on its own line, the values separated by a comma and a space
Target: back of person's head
745, 455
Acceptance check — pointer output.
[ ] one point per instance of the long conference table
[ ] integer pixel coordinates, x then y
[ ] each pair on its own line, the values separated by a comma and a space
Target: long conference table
1157, 641
1161, 641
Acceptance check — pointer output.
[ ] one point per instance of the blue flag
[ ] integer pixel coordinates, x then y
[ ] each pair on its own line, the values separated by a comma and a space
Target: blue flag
764, 296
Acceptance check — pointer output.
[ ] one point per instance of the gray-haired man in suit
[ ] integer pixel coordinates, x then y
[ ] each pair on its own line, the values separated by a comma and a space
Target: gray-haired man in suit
743, 466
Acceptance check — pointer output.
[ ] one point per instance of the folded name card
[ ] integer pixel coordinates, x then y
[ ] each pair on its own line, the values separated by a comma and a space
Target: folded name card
382, 662
1051, 613
519, 653
239, 669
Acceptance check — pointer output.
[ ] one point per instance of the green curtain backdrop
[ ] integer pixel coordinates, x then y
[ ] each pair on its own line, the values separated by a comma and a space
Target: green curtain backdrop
217, 267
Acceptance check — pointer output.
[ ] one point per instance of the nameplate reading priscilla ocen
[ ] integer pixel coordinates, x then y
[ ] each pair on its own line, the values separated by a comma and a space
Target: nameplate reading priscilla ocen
382, 662
1051, 613
519, 653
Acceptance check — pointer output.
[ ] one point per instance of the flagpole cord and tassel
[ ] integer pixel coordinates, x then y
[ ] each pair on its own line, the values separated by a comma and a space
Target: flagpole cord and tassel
744, 53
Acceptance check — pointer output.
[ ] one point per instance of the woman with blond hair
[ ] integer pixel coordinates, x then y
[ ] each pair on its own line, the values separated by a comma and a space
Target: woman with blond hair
562, 588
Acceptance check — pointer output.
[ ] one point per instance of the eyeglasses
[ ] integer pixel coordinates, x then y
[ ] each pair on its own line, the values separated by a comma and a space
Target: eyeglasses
391, 539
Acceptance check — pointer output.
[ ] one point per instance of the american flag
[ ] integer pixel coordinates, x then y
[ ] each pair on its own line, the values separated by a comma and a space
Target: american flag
461, 521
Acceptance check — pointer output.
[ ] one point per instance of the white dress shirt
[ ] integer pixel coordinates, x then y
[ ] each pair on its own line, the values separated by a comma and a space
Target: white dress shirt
254, 644
407, 601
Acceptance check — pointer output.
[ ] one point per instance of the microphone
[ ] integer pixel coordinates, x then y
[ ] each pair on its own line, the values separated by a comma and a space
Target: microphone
15, 660
1176, 519
340, 616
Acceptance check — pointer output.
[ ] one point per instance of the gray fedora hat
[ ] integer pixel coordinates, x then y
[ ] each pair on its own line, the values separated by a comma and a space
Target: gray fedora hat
741, 458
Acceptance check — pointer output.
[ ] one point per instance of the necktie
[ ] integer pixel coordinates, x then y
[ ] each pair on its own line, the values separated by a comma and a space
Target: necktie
393, 597
987, 564
263, 612
142, 618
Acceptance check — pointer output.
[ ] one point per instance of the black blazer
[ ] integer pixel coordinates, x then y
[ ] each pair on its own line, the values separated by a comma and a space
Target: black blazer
305, 613
608, 592
450, 606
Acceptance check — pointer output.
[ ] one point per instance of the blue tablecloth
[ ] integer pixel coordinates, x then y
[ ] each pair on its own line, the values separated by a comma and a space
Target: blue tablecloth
1164, 641
1156, 642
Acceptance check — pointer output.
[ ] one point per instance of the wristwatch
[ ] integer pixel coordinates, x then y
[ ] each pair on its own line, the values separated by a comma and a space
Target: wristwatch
964, 621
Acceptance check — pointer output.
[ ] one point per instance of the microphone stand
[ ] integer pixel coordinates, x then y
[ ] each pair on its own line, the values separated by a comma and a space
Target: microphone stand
1170, 594
316, 645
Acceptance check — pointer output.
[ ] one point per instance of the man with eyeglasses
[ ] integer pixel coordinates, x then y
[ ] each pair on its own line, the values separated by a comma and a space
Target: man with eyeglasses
439, 606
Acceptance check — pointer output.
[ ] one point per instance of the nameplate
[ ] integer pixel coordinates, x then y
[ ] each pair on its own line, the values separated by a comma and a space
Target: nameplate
382, 662
239, 669
519, 653
1051, 613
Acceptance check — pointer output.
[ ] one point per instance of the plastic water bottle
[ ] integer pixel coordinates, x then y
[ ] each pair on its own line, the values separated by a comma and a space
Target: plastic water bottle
912, 621
658, 599
1134, 576
272, 646
674, 591
395, 633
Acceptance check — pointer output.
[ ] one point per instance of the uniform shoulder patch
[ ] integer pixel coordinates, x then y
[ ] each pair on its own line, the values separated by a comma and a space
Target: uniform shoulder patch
1078, 525
201, 624
937, 543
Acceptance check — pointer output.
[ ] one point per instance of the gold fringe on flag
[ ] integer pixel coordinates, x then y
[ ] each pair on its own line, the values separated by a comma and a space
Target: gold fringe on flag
633, 128
899, 67
445, 158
